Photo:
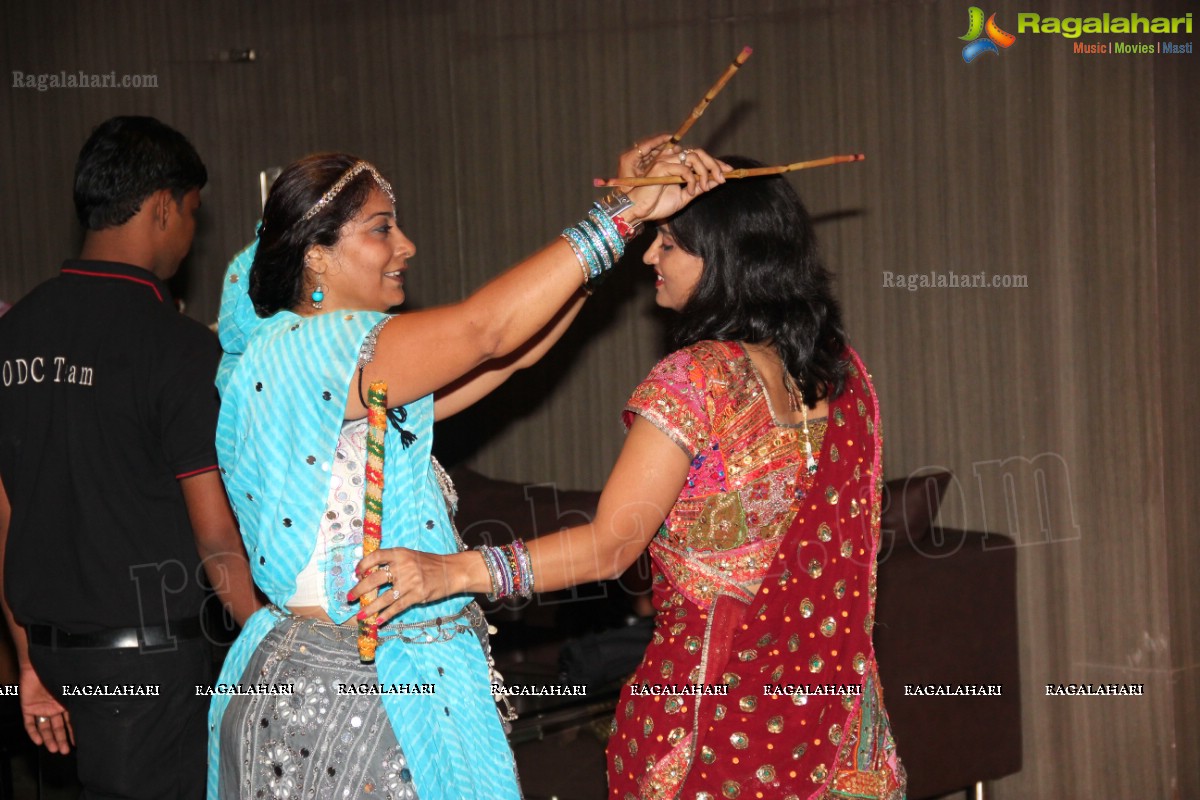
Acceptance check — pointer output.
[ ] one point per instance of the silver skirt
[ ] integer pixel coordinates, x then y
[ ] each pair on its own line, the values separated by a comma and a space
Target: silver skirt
315, 742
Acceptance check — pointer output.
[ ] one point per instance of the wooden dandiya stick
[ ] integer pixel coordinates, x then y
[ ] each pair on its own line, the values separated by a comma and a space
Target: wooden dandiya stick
730, 71
368, 629
751, 172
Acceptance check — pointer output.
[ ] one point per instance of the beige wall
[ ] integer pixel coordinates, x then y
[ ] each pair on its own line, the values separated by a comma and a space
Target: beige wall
492, 118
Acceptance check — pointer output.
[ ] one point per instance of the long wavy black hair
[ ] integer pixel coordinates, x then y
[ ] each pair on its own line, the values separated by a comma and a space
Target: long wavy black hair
763, 280
277, 275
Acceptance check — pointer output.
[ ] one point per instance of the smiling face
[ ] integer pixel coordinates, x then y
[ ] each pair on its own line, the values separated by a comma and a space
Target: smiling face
677, 271
365, 269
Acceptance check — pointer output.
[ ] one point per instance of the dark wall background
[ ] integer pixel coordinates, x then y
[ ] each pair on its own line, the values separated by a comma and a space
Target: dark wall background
1061, 407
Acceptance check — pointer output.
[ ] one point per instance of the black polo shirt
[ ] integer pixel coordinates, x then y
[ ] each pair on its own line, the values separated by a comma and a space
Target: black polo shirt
106, 402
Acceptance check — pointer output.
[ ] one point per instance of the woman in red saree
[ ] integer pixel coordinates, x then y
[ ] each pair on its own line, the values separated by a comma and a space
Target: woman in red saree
752, 471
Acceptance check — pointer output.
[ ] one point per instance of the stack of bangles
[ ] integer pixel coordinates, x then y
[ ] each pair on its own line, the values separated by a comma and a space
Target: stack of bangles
599, 239
509, 568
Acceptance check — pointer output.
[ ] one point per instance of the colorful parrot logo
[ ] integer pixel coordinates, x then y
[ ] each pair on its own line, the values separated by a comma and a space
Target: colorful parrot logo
996, 38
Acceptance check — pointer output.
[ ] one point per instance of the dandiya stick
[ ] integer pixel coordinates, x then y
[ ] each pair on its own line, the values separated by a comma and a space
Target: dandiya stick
751, 172
368, 629
730, 71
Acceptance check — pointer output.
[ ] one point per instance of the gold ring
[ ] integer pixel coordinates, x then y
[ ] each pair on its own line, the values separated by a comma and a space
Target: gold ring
638, 147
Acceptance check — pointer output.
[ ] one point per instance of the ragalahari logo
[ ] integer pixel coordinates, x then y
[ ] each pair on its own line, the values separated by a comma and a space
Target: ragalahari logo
996, 38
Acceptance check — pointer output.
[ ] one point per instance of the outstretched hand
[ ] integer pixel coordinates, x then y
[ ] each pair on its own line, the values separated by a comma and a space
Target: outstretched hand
699, 170
403, 578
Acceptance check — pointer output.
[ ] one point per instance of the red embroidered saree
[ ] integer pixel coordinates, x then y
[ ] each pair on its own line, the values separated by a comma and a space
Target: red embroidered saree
801, 714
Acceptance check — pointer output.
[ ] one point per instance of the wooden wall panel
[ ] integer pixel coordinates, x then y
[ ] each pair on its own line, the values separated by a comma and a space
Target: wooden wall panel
1061, 407
1177, 241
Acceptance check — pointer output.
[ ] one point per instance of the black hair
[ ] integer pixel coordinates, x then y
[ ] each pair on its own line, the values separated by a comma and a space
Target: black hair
127, 159
277, 275
763, 279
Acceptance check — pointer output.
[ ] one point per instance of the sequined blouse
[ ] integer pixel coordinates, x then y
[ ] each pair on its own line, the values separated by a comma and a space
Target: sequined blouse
343, 518
737, 502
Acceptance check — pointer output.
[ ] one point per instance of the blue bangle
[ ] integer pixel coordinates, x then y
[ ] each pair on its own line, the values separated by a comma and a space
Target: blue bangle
595, 244
608, 228
592, 231
584, 246
495, 593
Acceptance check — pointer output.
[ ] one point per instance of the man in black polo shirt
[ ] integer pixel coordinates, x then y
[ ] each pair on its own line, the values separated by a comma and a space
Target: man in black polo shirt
110, 502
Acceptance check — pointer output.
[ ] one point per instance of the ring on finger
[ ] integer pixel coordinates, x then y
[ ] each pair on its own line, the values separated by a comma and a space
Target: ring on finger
42, 720
395, 593
641, 153
683, 156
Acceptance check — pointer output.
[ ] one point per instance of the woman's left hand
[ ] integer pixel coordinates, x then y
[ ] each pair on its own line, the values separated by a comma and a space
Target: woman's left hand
636, 161
411, 577
698, 170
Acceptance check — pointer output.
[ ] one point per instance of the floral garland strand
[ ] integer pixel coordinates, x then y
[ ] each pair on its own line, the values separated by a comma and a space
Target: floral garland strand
368, 629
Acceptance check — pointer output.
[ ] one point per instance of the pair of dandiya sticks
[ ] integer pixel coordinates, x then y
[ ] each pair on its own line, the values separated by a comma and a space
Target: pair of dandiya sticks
753, 172
368, 628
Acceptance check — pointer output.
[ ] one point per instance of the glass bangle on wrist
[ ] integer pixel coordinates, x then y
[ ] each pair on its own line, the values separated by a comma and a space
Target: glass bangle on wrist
582, 259
598, 240
510, 570
591, 260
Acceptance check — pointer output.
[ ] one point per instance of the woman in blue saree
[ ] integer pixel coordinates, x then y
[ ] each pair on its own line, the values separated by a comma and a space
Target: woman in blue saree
305, 328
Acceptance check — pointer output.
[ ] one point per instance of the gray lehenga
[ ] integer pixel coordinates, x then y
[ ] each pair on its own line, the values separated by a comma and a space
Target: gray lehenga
318, 741
270, 740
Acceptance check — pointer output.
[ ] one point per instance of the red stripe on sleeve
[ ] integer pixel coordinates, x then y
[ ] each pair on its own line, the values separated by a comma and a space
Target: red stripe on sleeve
194, 472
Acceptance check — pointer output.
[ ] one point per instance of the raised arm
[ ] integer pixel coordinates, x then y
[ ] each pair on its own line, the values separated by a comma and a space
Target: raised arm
644, 485
422, 352
487, 377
